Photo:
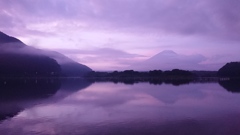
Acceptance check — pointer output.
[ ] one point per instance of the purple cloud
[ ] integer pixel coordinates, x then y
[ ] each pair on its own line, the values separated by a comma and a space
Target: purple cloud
206, 27
184, 17
102, 58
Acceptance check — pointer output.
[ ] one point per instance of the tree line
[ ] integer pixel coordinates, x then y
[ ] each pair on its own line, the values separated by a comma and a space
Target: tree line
175, 73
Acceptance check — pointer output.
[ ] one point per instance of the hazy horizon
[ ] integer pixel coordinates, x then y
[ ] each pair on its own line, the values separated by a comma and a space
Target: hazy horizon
126, 34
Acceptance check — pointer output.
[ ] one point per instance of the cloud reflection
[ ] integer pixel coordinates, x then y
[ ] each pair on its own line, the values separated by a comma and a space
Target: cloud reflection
140, 107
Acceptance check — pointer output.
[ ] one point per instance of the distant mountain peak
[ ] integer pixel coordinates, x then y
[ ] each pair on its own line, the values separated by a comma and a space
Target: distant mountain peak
168, 52
4, 38
168, 60
165, 53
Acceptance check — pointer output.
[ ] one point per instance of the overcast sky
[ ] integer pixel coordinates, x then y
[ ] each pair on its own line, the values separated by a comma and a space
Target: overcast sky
115, 34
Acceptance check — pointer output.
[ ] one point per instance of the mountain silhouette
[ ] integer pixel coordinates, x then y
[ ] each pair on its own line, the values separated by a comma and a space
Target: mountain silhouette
166, 52
4, 38
11, 45
168, 60
232, 85
19, 94
22, 65
68, 66
231, 69
14, 63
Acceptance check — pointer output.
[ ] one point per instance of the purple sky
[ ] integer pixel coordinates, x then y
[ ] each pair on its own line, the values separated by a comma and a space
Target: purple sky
117, 34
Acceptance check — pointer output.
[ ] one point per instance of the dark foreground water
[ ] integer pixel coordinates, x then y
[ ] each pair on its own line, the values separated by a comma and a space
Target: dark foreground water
76, 107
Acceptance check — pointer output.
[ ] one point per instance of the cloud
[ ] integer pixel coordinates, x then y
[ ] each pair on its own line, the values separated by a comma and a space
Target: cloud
212, 18
167, 60
102, 58
220, 60
107, 52
183, 17
139, 26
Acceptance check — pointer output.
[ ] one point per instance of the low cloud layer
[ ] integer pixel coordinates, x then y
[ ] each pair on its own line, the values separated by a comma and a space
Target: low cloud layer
103, 58
207, 27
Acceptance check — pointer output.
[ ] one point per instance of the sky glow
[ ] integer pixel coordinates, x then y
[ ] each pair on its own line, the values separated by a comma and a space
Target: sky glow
117, 34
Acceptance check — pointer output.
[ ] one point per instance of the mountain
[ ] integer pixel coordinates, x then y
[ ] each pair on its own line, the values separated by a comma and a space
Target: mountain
23, 65
11, 45
16, 64
4, 38
231, 69
168, 60
17, 94
7, 42
68, 66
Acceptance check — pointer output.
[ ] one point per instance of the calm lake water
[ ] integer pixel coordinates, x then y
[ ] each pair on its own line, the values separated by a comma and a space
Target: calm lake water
76, 107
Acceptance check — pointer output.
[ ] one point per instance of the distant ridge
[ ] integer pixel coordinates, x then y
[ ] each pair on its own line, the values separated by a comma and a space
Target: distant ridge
69, 67
4, 38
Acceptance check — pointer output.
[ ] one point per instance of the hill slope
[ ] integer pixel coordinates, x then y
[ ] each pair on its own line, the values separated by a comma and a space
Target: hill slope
11, 45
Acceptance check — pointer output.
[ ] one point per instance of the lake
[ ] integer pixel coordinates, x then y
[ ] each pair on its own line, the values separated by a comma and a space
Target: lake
78, 107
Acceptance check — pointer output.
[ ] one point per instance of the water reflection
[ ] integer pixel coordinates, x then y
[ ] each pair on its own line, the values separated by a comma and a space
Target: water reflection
74, 84
17, 89
8, 112
107, 108
155, 81
19, 94
232, 85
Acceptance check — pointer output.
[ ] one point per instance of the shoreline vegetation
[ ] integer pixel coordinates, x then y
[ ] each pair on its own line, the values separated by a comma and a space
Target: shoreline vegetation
228, 71
226, 75
175, 77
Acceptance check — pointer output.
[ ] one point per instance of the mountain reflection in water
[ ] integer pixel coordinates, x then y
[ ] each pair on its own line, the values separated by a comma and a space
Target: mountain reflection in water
232, 85
18, 94
80, 107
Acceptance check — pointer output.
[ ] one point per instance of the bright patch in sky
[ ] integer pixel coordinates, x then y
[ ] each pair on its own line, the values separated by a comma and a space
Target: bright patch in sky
118, 34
